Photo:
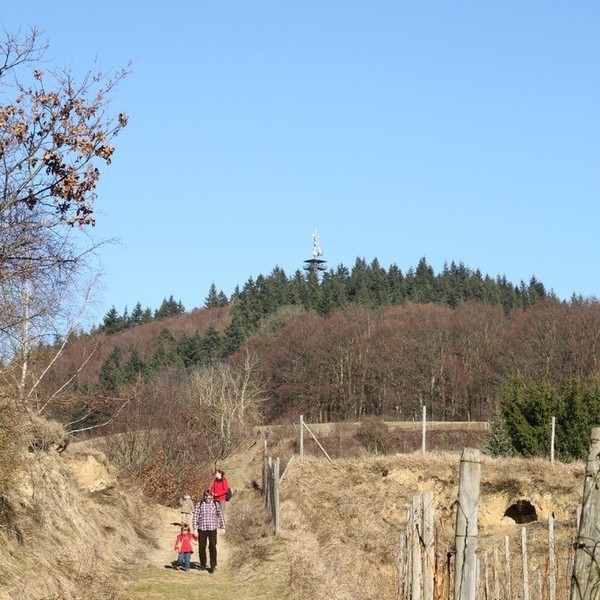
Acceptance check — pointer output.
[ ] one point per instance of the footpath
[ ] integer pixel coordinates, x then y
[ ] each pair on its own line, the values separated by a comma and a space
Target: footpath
156, 579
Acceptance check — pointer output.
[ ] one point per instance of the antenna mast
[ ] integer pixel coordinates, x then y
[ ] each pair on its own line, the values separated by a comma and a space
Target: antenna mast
315, 264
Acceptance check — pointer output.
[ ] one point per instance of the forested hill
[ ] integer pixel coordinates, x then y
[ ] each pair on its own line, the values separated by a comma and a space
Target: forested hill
342, 345
366, 284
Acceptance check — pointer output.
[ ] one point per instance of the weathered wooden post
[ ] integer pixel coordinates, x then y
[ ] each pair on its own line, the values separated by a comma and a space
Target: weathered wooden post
551, 560
507, 566
424, 430
268, 495
416, 575
429, 545
465, 577
552, 436
525, 563
409, 554
264, 471
301, 437
585, 580
401, 562
276, 495
496, 574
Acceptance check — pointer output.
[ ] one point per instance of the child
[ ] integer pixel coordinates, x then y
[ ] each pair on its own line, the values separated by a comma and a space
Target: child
183, 546
186, 505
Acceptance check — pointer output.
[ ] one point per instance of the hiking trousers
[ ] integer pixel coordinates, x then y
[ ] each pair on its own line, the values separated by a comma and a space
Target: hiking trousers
209, 536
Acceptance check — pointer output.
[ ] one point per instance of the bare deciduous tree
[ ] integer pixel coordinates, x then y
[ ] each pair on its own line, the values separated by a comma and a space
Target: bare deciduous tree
55, 134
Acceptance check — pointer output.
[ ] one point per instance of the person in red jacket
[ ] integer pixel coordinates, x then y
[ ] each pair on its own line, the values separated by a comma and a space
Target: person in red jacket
219, 488
183, 547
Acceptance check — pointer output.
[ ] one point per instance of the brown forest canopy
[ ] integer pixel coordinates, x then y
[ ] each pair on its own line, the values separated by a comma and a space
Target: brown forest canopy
391, 362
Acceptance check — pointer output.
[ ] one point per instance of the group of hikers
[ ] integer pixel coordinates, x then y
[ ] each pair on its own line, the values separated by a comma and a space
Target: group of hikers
205, 517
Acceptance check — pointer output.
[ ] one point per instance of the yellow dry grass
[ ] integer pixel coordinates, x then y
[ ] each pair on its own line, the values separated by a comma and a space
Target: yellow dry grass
63, 541
77, 534
341, 523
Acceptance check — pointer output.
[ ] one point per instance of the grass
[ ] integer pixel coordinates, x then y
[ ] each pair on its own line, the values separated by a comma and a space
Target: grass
151, 584
340, 526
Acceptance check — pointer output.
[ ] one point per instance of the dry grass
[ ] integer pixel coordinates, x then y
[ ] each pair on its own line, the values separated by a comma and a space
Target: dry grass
66, 537
65, 542
341, 523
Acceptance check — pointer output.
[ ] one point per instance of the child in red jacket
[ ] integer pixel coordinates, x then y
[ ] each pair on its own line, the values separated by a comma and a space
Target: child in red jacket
183, 546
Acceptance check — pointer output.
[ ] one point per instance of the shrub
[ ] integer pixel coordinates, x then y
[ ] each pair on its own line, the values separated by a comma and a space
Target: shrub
373, 435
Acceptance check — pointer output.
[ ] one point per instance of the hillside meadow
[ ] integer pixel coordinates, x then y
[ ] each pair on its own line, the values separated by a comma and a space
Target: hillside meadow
340, 524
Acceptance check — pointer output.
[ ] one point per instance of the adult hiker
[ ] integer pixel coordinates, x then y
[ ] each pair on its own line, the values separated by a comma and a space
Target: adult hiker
219, 488
207, 518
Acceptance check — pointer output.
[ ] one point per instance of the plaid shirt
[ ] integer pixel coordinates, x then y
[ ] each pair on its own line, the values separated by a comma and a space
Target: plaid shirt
208, 516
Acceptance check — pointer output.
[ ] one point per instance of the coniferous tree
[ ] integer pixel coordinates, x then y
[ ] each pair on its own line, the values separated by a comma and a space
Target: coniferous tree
189, 349
333, 291
113, 373
424, 284
135, 367
359, 285
212, 299
212, 346
136, 315
113, 323
222, 299
397, 291
379, 290
500, 443
169, 308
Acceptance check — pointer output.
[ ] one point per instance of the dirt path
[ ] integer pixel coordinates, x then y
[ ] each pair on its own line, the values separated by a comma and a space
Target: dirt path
155, 579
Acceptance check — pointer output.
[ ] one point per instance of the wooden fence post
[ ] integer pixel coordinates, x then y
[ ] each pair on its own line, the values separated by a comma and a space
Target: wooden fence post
428, 543
524, 558
410, 528
465, 577
401, 561
552, 435
496, 574
301, 437
416, 575
276, 495
585, 581
507, 567
551, 560
424, 429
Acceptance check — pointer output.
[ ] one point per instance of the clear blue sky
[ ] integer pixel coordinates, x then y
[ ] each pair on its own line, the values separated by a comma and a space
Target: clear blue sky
465, 131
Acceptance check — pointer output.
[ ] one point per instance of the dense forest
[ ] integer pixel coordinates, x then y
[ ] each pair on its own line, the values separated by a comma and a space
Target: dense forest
346, 344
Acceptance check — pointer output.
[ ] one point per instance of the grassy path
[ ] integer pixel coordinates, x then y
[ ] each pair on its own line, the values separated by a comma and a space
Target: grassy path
155, 579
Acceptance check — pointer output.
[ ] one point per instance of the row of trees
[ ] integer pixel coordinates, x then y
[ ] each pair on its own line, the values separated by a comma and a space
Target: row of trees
114, 322
195, 350
365, 284
391, 361
523, 425
372, 286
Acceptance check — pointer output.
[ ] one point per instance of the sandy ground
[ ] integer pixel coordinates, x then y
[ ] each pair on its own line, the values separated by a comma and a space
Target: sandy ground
166, 533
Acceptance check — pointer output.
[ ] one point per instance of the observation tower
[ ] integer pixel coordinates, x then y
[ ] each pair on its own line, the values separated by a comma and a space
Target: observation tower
315, 264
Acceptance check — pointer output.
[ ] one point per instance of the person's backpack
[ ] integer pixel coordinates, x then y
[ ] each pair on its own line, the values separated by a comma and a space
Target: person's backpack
228, 494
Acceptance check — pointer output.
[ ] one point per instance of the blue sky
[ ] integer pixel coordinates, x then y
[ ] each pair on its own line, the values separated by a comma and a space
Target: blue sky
465, 131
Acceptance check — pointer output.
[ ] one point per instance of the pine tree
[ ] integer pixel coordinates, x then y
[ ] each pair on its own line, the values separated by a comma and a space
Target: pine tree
135, 367
212, 299
499, 442
112, 373
169, 308
113, 323
136, 315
